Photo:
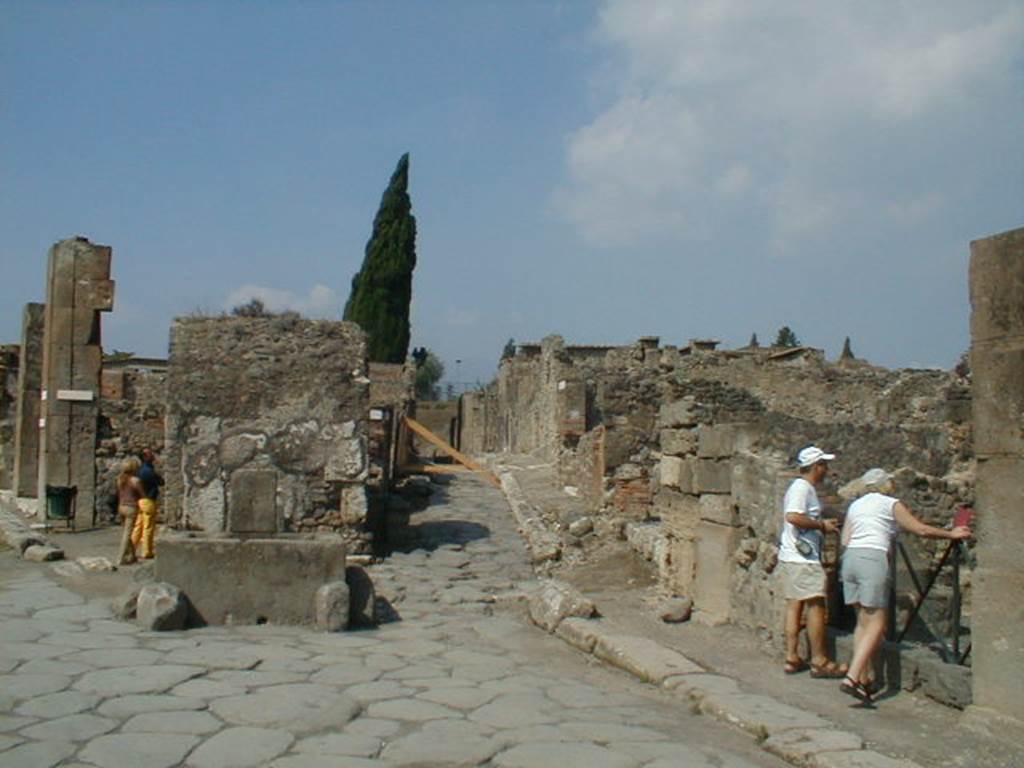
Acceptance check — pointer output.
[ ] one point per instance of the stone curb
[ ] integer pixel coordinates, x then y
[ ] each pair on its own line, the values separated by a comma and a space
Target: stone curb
800, 738
18, 535
543, 544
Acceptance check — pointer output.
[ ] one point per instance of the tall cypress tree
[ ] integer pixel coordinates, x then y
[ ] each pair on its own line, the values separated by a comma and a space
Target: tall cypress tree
382, 288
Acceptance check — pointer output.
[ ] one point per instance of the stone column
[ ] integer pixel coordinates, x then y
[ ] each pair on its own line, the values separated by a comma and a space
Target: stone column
30, 376
997, 363
78, 288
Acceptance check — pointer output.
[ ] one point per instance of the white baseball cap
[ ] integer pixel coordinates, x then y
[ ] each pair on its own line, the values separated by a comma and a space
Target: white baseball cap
875, 478
811, 455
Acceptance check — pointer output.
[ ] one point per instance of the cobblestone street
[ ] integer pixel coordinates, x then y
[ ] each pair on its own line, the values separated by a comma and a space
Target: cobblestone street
458, 677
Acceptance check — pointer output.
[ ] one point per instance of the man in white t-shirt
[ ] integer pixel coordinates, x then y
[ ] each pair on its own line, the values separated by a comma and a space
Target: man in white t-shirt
803, 577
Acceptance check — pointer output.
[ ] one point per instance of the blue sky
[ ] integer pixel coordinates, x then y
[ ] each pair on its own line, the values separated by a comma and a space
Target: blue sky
602, 170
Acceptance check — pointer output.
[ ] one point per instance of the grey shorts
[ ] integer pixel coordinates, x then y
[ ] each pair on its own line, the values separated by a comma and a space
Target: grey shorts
802, 581
865, 575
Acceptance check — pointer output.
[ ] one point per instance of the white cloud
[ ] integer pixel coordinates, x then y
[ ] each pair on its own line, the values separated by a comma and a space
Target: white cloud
321, 301
794, 109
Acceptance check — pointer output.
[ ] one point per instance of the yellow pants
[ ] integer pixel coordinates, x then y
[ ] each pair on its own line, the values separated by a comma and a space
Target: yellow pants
145, 527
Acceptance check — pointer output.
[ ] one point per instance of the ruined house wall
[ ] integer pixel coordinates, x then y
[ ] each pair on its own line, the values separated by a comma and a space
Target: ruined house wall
266, 426
30, 382
701, 443
132, 410
9, 354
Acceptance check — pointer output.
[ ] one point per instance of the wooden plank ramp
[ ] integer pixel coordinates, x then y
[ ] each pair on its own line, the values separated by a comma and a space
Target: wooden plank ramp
460, 457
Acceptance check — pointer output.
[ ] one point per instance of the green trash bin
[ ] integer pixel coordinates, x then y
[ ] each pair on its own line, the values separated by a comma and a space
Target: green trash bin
60, 502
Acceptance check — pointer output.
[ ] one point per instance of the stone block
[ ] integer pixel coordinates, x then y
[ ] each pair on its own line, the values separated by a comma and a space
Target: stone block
678, 442
997, 286
42, 553
996, 621
718, 508
554, 601
682, 554
245, 581
714, 548
680, 413
112, 384
712, 476
679, 512
1000, 525
643, 657
801, 745
331, 607
354, 504
252, 501
97, 295
670, 468
863, 758
715, 442
579, 633
161, 607
998, 397
759, 715
362, 611
125, 604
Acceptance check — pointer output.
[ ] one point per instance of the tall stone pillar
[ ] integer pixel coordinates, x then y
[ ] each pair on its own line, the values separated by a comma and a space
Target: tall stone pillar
997, 366
30, 377
78, 288
8, 411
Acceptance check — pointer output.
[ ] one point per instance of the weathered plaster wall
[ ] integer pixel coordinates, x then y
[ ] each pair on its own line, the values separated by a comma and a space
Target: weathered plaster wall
266, 426
9, 354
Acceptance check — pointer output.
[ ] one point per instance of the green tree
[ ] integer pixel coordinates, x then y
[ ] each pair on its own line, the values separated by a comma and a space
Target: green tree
847, 353
786, 338
753, 341
509, 350
428, 374
253, 308
382, 288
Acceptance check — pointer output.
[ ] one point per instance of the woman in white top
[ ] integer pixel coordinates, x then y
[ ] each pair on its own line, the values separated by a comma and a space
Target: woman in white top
871, 525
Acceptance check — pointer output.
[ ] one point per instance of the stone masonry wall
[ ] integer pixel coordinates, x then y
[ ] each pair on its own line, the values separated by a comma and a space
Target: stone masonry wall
8, 411
266, 426
702, 442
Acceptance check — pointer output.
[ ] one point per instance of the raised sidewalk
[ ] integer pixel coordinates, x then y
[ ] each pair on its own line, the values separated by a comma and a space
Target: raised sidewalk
727, 673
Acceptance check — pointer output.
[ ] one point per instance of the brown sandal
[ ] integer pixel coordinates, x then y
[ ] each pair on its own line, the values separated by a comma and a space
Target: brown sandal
793, 667
857, 690
829, 670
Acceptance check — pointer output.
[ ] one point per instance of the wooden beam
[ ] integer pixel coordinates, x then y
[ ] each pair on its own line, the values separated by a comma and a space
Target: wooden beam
460, 457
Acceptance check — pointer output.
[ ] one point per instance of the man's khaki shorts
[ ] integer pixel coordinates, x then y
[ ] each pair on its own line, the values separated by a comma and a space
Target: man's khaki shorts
802, 581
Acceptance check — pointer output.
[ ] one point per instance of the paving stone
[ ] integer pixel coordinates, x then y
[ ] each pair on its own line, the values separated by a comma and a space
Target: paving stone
257, 678
29, 651
215, 655
546, 755
126, 706
81, 612
6, 742
79, 727
345, 674
240, 748
8, 664
178, 721
299, 707
530, 734
18, 686
19, 631
862, 759
373, 726
85, 640
9, 723
417, 672
325, 761
463, 698
642, 657
146, 679
54, 667
58, 704
115, 657
203, 688
410, 709
38, 754
426, 748
602, 732
377, 691
351, 744
151, 750
800, 746
112, 627
759, 715
514, 710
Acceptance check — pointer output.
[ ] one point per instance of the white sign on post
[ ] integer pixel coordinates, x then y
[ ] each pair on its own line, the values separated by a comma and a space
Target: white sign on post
80, 395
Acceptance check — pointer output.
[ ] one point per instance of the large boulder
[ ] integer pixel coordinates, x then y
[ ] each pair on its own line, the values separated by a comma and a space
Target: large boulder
555, 601
161, 607
362, 607
331, 606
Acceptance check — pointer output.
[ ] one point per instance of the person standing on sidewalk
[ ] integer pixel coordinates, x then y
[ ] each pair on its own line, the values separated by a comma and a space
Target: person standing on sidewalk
803, 577
872, 522
144, 531
129, 493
